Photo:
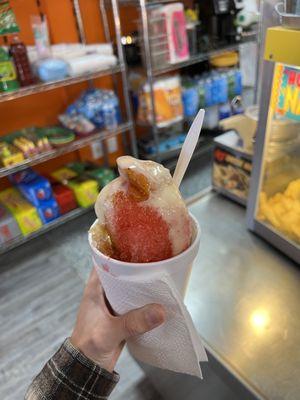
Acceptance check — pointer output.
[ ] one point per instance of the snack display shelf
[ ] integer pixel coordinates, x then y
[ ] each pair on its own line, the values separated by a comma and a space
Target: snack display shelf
75, 145
45, 228
43, 87
249, 37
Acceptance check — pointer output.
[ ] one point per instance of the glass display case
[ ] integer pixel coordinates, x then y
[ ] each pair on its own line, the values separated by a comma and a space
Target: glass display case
274, 201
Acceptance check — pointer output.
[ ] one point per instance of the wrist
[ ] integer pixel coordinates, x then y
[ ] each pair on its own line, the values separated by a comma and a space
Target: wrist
91, 350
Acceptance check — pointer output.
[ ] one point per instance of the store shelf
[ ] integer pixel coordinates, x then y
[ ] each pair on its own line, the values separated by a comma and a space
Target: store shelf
251, 37
45, 228
75, 145
44, 87
169, 158
203, 148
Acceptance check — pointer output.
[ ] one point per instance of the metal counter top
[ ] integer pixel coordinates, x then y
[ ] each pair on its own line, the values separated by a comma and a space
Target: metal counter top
244, 297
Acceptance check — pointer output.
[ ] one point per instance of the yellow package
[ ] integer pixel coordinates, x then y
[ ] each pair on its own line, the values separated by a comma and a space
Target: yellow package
168, 102
10, 155
85, 191
25, 214
63, 175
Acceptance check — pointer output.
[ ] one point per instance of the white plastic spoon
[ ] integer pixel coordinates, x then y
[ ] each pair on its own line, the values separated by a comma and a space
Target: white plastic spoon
188, 147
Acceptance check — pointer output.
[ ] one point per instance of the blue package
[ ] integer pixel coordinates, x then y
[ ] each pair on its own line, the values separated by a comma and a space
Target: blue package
215, 90
190, 100
101, 107
48, 211
224, 111
238, 82
222, 89
52, 69
208, 92
111, 111
25, 176
36, 191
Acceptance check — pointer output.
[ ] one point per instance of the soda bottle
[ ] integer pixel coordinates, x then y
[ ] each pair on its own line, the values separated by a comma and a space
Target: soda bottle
18, 52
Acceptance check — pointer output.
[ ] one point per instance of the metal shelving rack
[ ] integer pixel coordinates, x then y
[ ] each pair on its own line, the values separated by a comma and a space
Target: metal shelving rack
101, 135
154, 71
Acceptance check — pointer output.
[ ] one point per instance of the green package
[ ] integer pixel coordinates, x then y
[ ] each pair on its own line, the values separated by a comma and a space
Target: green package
8, 76
8, 23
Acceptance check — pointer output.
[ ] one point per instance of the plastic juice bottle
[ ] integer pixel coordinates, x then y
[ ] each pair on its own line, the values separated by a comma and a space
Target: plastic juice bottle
18, 52
8, 76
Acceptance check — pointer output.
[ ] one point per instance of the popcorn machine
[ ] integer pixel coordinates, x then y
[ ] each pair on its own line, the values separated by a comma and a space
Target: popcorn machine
274, 200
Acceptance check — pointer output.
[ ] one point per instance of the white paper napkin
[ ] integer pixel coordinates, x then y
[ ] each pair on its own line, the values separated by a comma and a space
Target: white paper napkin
175, 345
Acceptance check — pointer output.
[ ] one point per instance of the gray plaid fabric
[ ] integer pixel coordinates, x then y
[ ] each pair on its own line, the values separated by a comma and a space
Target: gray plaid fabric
71, 375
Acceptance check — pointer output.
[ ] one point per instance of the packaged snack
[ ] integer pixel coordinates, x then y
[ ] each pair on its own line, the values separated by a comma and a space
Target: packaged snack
26, 146
175, 28
77, 122
168, 102
8, 75
38, 137
25, 176
59, 136
48, 210
64, 197
37, 191
101, 107
85, 191
63, 175
25, 213
30, 141
10, 155
102, 175
8, 22
51, 69
8, 226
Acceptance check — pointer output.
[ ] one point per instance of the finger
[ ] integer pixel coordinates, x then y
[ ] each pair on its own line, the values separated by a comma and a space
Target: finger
141, 320
93, 289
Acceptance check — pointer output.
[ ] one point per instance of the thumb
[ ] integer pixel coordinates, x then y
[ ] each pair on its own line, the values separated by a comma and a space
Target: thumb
141, 320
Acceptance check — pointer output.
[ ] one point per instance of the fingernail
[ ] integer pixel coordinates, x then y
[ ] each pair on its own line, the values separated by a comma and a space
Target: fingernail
153, 317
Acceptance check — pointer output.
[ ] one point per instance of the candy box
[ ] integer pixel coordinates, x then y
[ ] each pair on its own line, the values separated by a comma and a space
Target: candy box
25, 214
36, 191
8, 226
65, 198
48, 210
85, 191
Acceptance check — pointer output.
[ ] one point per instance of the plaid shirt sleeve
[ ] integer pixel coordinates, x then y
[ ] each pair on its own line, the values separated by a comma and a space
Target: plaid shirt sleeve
69, 374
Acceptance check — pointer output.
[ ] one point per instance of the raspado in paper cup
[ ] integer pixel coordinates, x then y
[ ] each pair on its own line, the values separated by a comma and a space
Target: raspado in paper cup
177, 267
143, 221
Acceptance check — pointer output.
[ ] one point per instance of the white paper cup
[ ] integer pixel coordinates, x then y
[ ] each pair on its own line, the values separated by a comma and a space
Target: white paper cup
178, 268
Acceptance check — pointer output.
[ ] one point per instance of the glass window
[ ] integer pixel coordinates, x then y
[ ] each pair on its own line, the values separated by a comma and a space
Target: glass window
279, 199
